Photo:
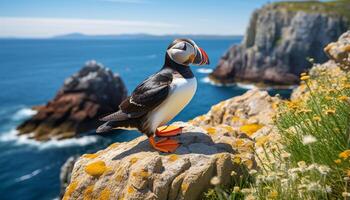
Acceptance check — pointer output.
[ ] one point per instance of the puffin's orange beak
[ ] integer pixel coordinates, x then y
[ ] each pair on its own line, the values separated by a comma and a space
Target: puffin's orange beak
201, 57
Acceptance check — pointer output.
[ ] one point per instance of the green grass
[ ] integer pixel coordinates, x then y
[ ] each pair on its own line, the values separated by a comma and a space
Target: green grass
311, 158
340, 7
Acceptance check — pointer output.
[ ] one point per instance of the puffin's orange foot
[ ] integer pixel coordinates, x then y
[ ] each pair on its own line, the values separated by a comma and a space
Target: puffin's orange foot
168, 131
164, 145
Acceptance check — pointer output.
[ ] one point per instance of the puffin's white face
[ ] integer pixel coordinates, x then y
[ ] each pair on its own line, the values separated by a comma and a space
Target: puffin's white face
185, 52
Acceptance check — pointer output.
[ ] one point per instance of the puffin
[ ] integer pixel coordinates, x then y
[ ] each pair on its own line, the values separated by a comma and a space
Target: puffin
160, 97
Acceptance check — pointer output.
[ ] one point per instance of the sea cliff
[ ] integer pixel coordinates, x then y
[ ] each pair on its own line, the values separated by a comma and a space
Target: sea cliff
279, 40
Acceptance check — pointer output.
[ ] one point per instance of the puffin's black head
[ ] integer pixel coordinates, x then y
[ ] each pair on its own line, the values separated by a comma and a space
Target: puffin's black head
186, 52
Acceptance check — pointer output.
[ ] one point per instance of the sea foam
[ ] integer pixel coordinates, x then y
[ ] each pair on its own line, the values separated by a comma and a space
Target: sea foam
23, 113
12, 136
204, 70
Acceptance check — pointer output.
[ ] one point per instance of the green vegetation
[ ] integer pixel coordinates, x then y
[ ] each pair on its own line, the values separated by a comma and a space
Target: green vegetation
310, 159
340, 7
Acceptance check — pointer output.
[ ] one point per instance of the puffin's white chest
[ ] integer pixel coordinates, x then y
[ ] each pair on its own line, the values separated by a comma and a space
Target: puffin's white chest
181, 92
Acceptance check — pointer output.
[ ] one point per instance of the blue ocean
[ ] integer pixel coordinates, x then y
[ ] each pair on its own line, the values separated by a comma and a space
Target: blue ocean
31, 72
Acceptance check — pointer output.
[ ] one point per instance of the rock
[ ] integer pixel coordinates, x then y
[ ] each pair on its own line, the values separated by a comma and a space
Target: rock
278, 41
254, 107
340, 51
336, 67
133, 170
84, 97
65, 174
213, 145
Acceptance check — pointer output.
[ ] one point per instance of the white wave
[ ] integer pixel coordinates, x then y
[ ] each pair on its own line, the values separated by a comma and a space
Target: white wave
207, 80
204, 70
12, 136
246, 86
28, 176
32, 174
211, 82
23, 114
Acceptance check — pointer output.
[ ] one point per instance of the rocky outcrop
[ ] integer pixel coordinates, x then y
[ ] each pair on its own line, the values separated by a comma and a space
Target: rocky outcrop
66, 173
336, 67
340, 51
84, 97
278, 41
214, 148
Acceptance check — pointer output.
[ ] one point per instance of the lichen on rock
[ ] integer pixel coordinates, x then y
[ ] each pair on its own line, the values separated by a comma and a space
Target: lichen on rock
212, 146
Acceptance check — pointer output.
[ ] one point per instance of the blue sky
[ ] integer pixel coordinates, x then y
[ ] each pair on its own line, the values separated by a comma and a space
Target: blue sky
45, 18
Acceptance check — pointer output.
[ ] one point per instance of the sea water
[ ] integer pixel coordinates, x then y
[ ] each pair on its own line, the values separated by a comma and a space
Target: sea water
31, 72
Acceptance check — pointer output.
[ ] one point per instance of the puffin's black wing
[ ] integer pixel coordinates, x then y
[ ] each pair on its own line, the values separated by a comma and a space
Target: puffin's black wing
146, 96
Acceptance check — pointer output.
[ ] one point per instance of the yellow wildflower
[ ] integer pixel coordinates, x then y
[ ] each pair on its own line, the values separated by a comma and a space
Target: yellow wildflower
330, 111
317, 118
237, 160
345, 154
337, 161
343, 98
328, 98
303, 74
304, 78
273, 194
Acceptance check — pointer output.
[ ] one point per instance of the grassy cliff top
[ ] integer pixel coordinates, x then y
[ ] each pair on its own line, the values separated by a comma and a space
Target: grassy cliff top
338, 7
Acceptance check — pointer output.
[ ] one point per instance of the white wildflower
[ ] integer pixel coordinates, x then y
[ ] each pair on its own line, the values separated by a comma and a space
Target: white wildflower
250, 197
284, 182
311, 167
215, 180
252, 172
302, 187
246, 190
345, 194
314, 187
302, 164
324, 170
236, 189
328, 189
309, 139
233, 173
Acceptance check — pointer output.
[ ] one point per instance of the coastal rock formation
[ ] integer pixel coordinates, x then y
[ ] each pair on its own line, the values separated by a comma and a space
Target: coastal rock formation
340, 51
216, 145
255, 107
84, 97
66, 173
336, 67
278, 41
133, 170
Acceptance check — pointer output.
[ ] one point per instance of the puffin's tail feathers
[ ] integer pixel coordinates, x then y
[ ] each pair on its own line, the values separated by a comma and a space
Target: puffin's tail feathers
110, 125
117, 116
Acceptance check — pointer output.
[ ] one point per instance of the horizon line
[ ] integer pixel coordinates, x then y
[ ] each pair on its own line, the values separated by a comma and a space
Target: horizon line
86, 36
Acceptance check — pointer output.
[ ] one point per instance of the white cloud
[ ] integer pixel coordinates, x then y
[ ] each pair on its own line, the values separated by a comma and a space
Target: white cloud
46, 27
